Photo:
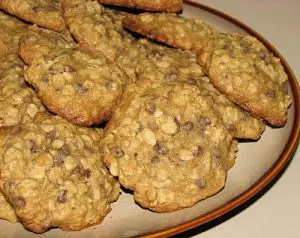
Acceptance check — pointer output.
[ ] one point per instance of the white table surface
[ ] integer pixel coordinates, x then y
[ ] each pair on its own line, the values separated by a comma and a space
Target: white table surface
276, 214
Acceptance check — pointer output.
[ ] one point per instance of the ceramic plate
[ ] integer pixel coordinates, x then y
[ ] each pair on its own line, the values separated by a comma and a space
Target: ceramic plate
256, 165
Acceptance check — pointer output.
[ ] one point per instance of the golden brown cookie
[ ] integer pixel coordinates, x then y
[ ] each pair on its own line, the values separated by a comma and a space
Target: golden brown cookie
52, 175
6, 211
156, 6
81, 86
174, 30
45, 13
248, 74
168, 145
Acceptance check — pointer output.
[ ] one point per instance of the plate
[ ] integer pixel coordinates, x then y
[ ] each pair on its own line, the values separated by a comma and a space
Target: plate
257, 164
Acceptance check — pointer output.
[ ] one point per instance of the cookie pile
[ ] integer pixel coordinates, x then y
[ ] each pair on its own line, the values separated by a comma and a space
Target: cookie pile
174, 113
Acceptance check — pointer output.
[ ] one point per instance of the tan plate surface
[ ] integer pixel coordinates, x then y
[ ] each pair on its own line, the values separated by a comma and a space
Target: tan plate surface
256, 165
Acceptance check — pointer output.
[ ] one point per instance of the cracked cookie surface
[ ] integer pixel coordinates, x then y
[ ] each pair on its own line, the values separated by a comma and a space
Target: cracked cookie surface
176, 31
156, 6
168, 145
52, 175
78, 85
45, 13
248, 74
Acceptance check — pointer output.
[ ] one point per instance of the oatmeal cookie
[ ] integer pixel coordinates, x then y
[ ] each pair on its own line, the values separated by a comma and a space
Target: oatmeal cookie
156, 6
10, 31
45, 13
95, 27
168, 145
18, 102
52, 175
176, 31
38, 42
248, 74
78, 85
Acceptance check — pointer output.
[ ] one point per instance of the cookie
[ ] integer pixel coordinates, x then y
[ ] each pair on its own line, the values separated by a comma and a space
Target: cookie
168, 145
156, 6
18, 102
146, 60
6, 211
176, 31
95, 27
10, 31
238, 122
45, 13
248, 74
38, 42
78, 85
52, 175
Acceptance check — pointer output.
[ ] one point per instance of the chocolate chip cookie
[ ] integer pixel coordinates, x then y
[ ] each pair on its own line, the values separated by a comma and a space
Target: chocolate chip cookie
176, 31
248, 74
45, 13
156, 6
95, 27
81, 86
52, 175
168, 145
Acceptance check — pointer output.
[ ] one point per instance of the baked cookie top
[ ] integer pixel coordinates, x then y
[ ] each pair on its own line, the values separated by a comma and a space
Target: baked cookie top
18, 102
10, 31
239, 122
45, 13
174, 30
168, 145
38, 42
157, 63
156, 6
78, 85
249, 75
52, 175
95, 27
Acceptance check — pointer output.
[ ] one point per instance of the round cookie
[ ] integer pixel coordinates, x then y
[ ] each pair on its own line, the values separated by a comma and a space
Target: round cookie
248, 74
168, 145
52, 175
78, 85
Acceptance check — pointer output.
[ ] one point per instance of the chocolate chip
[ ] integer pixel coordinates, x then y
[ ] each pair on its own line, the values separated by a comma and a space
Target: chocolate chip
172, 77
58, 159
155, 160
198, 152
188, 126
161, 149
64, 151
205, 121
32, 146
117, 151
76, 170
217, 154
27, 99
150, 108
51, 135
271, 93
17, 130
232, 128
62, 196
36, 9
285, 87
80, 88
108, 85
201, 183
86, 173
18, 202
264, 56
191, 81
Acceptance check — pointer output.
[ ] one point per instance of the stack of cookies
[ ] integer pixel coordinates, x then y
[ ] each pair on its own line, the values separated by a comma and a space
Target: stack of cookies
90, 102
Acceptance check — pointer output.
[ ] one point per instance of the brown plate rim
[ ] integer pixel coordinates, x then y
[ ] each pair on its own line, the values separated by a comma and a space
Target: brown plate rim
283, 158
